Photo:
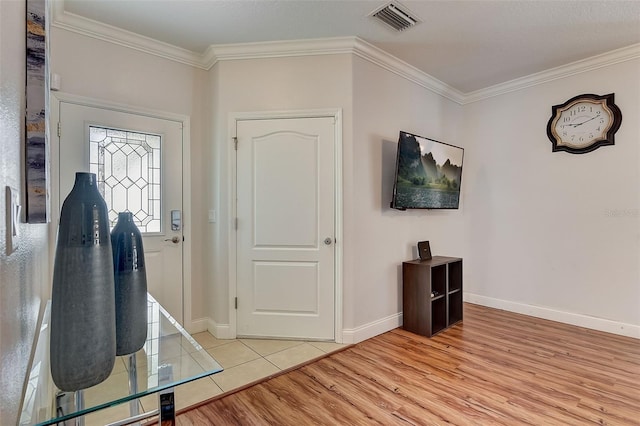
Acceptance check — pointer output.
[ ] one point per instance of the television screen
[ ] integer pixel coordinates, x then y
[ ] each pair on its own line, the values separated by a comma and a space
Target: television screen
428, 174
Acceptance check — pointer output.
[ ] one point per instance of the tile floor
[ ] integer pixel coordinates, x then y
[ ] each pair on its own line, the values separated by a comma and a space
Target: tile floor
244, 361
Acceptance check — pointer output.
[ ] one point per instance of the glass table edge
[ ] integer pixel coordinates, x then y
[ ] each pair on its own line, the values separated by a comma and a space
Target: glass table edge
27, 418
127, 398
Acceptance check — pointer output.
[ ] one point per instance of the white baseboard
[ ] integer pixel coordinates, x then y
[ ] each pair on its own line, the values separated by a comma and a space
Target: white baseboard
197, 326
367, 331
580, 320
219, 331
349, 336
372, 329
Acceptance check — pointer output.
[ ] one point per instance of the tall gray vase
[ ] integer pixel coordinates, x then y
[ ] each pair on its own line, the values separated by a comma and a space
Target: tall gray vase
83, 325
131, 285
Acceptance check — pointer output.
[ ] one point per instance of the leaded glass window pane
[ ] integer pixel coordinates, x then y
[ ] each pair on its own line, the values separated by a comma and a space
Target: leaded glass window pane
127, 165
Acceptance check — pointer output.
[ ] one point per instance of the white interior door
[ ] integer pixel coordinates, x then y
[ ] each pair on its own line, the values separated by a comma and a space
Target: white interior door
138, 162
286, 228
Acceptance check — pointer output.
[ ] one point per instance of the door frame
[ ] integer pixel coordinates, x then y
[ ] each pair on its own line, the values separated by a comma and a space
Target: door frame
54, 103
234, 117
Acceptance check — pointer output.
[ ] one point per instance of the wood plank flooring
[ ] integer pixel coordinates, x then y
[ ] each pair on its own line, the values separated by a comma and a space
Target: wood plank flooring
494, 368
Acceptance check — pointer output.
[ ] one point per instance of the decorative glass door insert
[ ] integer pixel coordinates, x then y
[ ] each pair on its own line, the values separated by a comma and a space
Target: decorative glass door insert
137, 159
128, 168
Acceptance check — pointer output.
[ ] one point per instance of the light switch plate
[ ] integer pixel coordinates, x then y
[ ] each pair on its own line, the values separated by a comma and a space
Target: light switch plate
13, 218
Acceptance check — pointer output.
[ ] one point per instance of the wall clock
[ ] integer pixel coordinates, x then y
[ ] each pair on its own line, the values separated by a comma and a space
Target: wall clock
584, 123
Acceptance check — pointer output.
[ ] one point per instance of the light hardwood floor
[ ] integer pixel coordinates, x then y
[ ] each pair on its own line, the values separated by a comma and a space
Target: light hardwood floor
495, 368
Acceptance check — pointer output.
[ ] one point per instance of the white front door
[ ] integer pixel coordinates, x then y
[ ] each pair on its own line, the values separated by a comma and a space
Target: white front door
138, 160
285, 228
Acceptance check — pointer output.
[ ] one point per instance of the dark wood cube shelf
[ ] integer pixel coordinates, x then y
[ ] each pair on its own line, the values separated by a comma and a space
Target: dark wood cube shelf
431, 294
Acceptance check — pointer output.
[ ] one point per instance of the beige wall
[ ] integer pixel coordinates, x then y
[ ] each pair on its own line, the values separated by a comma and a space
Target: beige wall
554, 231
23, 273
381, 238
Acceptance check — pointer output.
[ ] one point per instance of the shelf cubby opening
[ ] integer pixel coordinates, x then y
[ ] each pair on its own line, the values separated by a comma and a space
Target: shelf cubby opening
455, 307
439, 319
455, 275
439, 279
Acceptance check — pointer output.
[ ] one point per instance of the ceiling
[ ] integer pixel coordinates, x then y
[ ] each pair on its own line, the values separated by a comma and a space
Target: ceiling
469, 45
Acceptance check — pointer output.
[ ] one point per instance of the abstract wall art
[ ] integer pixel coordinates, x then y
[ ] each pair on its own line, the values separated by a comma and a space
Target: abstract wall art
35, 119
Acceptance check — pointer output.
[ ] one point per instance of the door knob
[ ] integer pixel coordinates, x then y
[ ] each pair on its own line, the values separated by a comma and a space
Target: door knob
174, 240
328, 241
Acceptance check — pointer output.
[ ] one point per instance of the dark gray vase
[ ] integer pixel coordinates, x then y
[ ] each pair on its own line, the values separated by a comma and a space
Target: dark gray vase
131, 285
83, 325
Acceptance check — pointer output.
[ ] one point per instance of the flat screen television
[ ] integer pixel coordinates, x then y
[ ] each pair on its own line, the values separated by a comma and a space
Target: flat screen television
428, 174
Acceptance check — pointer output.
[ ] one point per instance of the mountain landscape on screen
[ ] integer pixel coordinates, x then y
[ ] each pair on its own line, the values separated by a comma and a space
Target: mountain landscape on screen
428, 174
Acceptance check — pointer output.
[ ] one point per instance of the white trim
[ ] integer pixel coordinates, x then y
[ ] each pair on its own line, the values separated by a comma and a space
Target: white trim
55, 99
197, 326
336, 113
324, 46
372, 329
579, 320
231, 231
220, 331
187, 221
595, 62
339, 236
280, 49
110, 34
390, 63
120, 107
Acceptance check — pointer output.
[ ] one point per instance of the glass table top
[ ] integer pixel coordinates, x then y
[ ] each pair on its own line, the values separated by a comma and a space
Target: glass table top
169, 357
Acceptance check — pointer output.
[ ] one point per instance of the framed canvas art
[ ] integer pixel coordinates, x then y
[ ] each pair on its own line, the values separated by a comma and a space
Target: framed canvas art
35, 115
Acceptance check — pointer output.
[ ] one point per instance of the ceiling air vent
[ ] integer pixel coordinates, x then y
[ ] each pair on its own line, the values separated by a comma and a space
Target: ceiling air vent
395, 16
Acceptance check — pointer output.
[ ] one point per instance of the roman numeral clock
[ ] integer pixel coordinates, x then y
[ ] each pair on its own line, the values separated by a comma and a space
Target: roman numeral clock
584, 123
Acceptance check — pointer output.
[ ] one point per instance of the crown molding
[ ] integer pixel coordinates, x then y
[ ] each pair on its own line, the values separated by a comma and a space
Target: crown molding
280, 49
332, 46
389, 62
325, 46
100, 31
578, 67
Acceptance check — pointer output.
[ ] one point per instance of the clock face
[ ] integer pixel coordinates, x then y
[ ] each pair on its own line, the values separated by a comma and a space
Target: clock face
582, 123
